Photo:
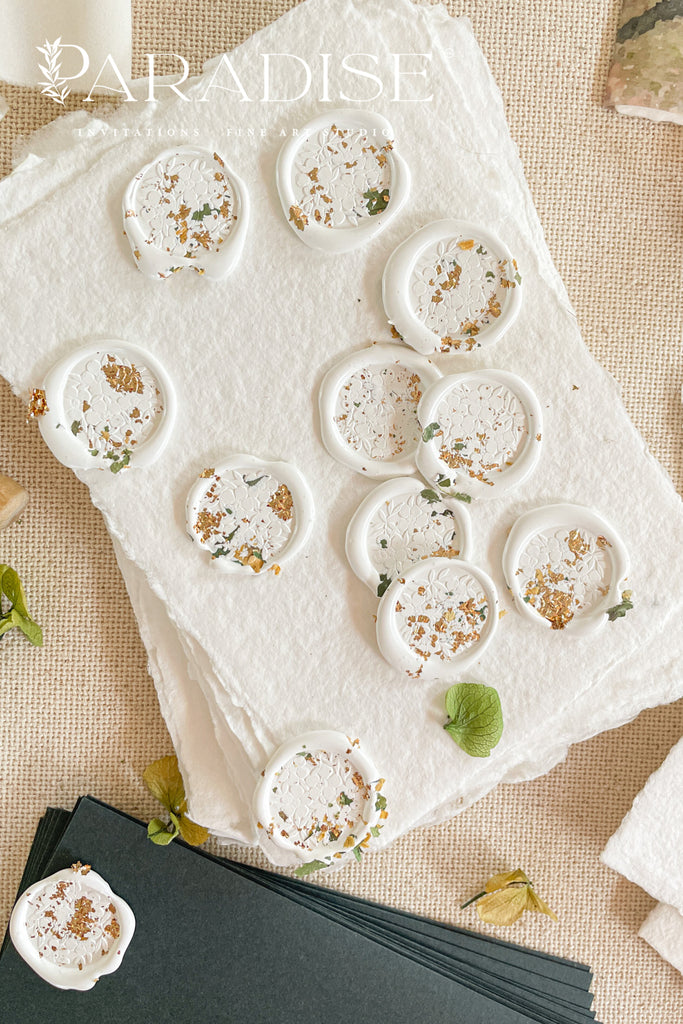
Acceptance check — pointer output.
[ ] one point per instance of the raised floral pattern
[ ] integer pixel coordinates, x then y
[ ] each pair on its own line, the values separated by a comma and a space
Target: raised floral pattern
564, 573
406, 529
246, 516
458, 288
70, 923
441, 614
340, 177
376, 411
113, 404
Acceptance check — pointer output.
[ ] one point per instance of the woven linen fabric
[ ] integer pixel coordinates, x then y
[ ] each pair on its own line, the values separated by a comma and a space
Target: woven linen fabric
82, 714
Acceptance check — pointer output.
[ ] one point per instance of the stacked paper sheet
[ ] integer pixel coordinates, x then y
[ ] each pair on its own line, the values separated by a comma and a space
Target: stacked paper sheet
242, 665
249, 945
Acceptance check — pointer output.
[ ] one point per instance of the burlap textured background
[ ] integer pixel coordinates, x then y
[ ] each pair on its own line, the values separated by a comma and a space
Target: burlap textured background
81, 715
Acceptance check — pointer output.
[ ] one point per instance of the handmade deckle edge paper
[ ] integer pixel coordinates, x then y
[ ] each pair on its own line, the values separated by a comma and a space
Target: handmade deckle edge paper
438, 23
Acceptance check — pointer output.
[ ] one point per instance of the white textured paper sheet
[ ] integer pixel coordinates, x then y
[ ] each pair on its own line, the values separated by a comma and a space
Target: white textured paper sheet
280, 655
648, 849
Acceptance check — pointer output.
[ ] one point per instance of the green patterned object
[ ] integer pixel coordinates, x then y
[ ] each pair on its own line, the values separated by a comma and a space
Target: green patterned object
646, 77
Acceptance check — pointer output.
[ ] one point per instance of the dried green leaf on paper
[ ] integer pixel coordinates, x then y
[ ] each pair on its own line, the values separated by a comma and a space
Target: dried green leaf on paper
475, 717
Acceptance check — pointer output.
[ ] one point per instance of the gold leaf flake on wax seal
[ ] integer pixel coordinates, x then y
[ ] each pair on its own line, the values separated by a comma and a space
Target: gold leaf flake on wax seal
122, 378
37, 404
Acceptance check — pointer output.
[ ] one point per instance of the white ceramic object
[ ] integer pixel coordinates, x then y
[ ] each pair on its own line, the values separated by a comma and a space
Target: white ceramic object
451, 287
186, 210
110, 406
70, 928
437, 618
368, 409
402, 522
481, 433
318, 799
340, 180
250, 515
565, 567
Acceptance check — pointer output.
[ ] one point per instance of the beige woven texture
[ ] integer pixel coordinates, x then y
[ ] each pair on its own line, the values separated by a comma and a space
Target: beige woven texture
81, 716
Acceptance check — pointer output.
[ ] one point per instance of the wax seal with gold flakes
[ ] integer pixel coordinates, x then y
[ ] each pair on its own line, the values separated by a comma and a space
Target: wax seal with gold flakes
109, 406
451, 287
249, 515
368, 409
186, 210
566, 568
340, 179
402, 522
481, 433
318, 802
437, 618
70, 928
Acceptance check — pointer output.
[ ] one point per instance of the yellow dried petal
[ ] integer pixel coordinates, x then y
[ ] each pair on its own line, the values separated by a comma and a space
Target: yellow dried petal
504, 906
165, 783
192, 833
500, 881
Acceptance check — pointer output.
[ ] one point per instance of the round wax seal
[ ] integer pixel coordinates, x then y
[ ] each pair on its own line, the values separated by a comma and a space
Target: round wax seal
319, 799
451, 287
186, 210
481, 433
565, 567
108, 406
70, 928
402, 522
368, 409
250, 515
340, 179
437, 618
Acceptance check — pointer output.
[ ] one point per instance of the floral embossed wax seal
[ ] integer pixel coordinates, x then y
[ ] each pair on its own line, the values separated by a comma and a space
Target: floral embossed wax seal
368, 409
318, 802
110, 406
249, 515
565, 567
402, 522
481, 433
437, 618
70, 928
451, 287
186, 210
340, 179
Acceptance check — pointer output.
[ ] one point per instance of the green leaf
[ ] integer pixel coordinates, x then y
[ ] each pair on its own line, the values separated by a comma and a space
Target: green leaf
308, 869
429, 431
617, 612
384, 584
377, 201
380, 802
358, 853
460, 496
120, 460
76, 427
6, 623
12, 588
28, 627
201, 214
374, 831
475, 717
345, 800
383, 542
159, 834
252, 483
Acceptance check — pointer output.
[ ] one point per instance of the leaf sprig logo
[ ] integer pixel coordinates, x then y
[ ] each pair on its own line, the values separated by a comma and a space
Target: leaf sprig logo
55, 86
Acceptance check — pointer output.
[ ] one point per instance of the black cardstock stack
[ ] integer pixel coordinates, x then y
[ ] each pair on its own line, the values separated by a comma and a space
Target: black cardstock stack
218, 942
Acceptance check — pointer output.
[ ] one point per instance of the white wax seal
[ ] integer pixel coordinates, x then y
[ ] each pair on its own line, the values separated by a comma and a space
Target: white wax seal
565, 566
481, 433
70, 928
437, 618
451, 287
109, 406
368, 409
186, 210
340, 179
250, 515
318, 800
402, 522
